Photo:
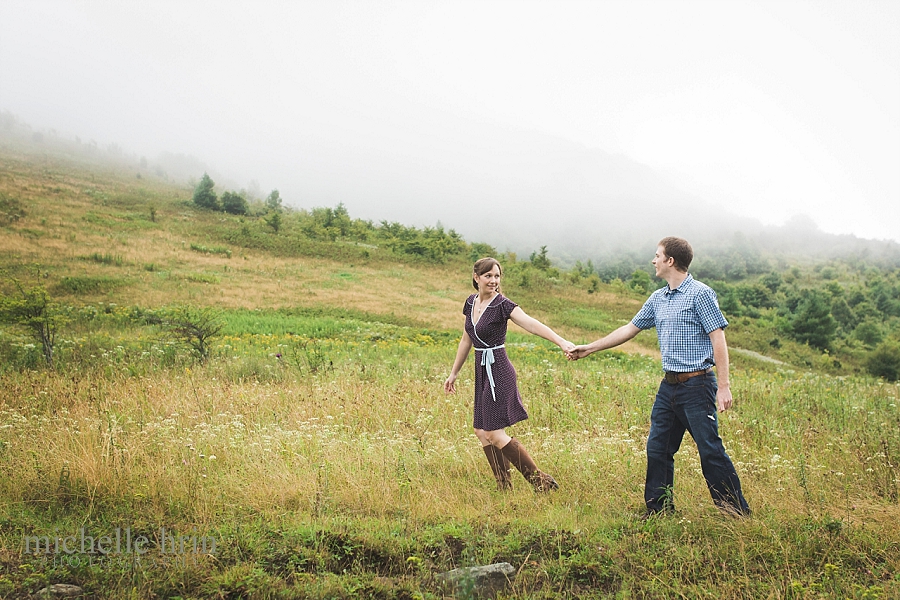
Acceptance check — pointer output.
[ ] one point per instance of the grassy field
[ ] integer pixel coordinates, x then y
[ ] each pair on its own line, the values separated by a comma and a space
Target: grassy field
317, 450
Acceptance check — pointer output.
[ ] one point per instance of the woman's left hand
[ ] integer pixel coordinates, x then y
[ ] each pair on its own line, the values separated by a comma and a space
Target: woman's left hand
450, 385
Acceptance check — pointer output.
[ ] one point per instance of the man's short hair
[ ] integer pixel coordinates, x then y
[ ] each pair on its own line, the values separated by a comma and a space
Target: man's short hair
679, 249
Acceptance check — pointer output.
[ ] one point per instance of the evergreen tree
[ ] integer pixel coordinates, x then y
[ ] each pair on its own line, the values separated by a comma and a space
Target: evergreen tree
273, 202
540, 260
813, 323
204, 196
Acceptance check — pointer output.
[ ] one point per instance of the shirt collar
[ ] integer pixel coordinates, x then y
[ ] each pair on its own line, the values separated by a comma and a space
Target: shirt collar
681, 288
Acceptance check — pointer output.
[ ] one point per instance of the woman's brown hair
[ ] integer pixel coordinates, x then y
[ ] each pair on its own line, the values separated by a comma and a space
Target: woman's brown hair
482, 266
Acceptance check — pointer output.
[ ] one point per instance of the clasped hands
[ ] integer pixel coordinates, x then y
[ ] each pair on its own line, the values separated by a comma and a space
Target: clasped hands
574, 352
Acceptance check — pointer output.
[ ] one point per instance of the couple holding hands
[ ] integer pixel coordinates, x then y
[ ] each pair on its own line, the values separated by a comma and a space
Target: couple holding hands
690, 327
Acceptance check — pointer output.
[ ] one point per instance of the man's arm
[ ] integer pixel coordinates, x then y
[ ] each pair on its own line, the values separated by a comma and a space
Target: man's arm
619, 336
720, 356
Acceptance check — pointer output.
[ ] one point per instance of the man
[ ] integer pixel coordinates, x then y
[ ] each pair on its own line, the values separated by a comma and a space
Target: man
691, 330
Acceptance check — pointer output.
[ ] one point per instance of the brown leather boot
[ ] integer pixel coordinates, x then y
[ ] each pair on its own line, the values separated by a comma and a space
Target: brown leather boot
519, 457
500, 467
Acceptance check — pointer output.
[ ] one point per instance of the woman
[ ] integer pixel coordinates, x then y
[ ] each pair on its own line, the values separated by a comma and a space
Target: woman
497, 401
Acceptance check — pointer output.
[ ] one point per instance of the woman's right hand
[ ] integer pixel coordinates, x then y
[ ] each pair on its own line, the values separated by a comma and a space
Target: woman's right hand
450, 384
566, 346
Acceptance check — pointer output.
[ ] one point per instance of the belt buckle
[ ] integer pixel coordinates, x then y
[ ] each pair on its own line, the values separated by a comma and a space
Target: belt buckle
671, 378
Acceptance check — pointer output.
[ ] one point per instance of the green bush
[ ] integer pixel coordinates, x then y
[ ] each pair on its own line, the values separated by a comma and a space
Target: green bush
869, 333
885, 361
275, 221
641, 281
195, 327
10, 210
33, 310
234, 204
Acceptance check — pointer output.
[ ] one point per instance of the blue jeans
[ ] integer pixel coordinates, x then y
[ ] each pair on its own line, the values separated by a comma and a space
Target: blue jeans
689, 406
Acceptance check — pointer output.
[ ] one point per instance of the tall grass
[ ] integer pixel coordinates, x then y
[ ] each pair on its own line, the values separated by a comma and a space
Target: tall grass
317, 446
365, 476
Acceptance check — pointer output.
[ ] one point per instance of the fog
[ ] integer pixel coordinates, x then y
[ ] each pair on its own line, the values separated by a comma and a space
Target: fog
582, 126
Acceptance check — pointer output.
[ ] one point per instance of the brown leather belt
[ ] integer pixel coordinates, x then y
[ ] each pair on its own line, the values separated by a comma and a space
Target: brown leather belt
672, 378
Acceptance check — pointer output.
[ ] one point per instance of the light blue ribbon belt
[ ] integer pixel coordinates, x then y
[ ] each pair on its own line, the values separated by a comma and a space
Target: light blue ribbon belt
487, 359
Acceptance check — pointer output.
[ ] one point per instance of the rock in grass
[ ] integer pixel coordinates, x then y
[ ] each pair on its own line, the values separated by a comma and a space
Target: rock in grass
485, 580
60, 590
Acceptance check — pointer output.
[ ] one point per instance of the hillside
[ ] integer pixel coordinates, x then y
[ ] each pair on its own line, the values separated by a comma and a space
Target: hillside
118, 231
309, 438
102, 234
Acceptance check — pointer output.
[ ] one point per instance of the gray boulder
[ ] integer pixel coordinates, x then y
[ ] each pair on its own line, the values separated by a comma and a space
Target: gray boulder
482, 582
60, 590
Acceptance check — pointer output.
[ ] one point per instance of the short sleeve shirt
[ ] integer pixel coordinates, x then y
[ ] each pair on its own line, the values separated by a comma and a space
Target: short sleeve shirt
684, 318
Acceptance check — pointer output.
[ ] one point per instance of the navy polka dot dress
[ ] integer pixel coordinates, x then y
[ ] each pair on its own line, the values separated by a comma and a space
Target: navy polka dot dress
501, 407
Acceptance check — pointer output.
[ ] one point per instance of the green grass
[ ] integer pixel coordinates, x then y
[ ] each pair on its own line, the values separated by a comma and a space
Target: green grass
105, 259
363, 477
202, 278
213, 250
89, 284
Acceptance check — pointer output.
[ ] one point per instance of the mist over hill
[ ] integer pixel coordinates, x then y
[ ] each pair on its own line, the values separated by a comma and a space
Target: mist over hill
515, 190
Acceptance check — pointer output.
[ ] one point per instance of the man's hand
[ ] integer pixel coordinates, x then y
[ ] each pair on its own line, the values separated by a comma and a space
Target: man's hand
619, 336
578, 352
724, 401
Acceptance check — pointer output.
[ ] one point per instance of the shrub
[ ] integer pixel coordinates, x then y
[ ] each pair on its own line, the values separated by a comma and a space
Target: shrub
33, 310
885, 361
274, 221
195, 327
640, 281
10, 210
234, 204
480, 250
869, 332
756, 295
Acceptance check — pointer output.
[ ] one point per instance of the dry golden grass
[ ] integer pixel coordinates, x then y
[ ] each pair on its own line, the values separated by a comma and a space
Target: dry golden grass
374, 442
57, 205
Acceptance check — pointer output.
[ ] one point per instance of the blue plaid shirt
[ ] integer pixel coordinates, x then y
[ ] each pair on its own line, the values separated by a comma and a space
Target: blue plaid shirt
683, 318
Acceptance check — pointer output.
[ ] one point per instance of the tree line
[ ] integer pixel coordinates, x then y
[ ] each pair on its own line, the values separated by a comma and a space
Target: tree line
848, 305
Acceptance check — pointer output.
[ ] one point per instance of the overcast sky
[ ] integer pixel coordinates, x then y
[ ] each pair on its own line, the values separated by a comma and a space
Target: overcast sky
767, 109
